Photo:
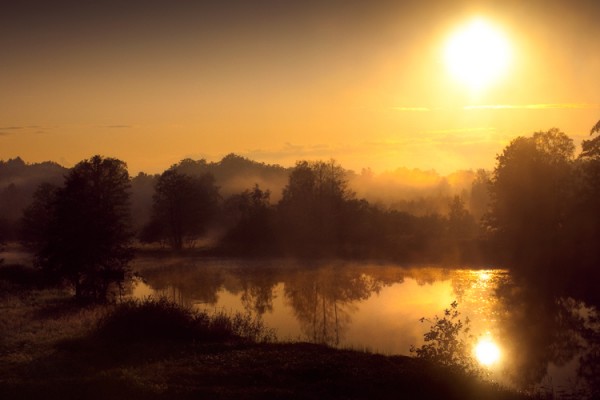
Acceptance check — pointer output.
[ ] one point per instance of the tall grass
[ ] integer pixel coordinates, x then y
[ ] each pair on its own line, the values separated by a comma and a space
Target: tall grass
158, 319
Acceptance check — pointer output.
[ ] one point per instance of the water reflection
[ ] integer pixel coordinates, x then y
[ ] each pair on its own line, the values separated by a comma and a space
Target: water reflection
323, 300
547, 342
548, 339
487, 351
358, 306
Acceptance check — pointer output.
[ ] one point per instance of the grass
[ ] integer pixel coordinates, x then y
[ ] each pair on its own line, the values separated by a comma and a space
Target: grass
53, 348
161, 320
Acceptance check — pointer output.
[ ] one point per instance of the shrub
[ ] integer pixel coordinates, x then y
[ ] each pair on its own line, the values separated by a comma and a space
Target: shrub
448, 342
162, 320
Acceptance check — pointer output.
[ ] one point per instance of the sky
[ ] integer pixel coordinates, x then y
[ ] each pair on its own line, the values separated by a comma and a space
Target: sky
363, 82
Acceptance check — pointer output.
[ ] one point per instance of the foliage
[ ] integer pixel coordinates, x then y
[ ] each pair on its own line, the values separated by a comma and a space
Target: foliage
183, 205
80, 232
37, 217
250, 217
311, 210
160, 319
590, 149
480, 194
531, 192
449, 342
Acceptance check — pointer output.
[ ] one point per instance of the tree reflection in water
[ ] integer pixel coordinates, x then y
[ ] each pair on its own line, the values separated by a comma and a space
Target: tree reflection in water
186, 283
323, 300
542, 329
257, 289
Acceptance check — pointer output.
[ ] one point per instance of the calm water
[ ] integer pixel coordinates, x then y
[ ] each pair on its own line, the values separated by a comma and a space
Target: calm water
379, 307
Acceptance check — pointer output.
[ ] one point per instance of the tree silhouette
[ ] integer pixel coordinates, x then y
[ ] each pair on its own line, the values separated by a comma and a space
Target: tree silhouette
183, 205
480, 194
81, 231
590, 149
250, 215
311, 207
461, 231
585, 216
37, 217
531, 191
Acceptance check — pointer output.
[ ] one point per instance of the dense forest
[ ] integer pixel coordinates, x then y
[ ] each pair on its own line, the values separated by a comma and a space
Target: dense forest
534, 213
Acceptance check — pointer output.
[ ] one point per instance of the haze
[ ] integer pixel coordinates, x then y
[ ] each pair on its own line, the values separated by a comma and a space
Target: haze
152, 82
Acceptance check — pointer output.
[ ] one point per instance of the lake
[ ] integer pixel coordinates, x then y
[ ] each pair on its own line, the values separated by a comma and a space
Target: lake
533, 340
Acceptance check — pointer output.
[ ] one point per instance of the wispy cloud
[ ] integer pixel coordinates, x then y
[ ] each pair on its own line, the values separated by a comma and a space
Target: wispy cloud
9, 130
117, 126
461, 130
540, 106
549, 106
418, 109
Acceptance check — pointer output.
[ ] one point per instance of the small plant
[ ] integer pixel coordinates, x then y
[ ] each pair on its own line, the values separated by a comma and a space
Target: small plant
449, 342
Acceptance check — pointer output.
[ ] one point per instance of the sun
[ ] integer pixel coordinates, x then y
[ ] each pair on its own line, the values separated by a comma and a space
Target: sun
477, 54
487, 352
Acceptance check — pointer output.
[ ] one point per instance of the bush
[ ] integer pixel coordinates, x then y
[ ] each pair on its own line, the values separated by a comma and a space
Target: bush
162, 320
448, 342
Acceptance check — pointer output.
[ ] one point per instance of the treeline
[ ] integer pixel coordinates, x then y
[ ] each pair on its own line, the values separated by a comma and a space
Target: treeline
412, 191
317, 215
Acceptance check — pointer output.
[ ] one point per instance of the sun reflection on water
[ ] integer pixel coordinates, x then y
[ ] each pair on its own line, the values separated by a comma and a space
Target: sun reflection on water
487, 352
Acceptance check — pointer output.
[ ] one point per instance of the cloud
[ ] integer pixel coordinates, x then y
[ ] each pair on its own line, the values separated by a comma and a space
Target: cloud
549, 106
9, 130
541, 106
117, 126
418, 109
461, 130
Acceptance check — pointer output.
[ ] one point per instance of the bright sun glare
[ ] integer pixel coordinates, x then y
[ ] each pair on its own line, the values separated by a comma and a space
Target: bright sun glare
487, 352
477, 54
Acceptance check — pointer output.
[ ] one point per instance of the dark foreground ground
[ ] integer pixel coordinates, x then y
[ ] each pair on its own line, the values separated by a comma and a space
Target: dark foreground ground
49, 350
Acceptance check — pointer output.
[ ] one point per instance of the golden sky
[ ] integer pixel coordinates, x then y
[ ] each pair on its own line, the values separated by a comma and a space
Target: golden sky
152, 82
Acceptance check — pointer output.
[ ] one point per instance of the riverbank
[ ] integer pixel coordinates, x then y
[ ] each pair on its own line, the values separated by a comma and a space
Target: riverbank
50, 349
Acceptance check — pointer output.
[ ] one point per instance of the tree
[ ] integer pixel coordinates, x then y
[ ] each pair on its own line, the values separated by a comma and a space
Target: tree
81, 231
531, 195
312, 206
249, 215
183, 205
585, 218
461, 230
36, 218
590, 149
480, 194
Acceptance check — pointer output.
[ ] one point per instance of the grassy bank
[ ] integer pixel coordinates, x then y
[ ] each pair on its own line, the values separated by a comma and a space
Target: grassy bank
52, 348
